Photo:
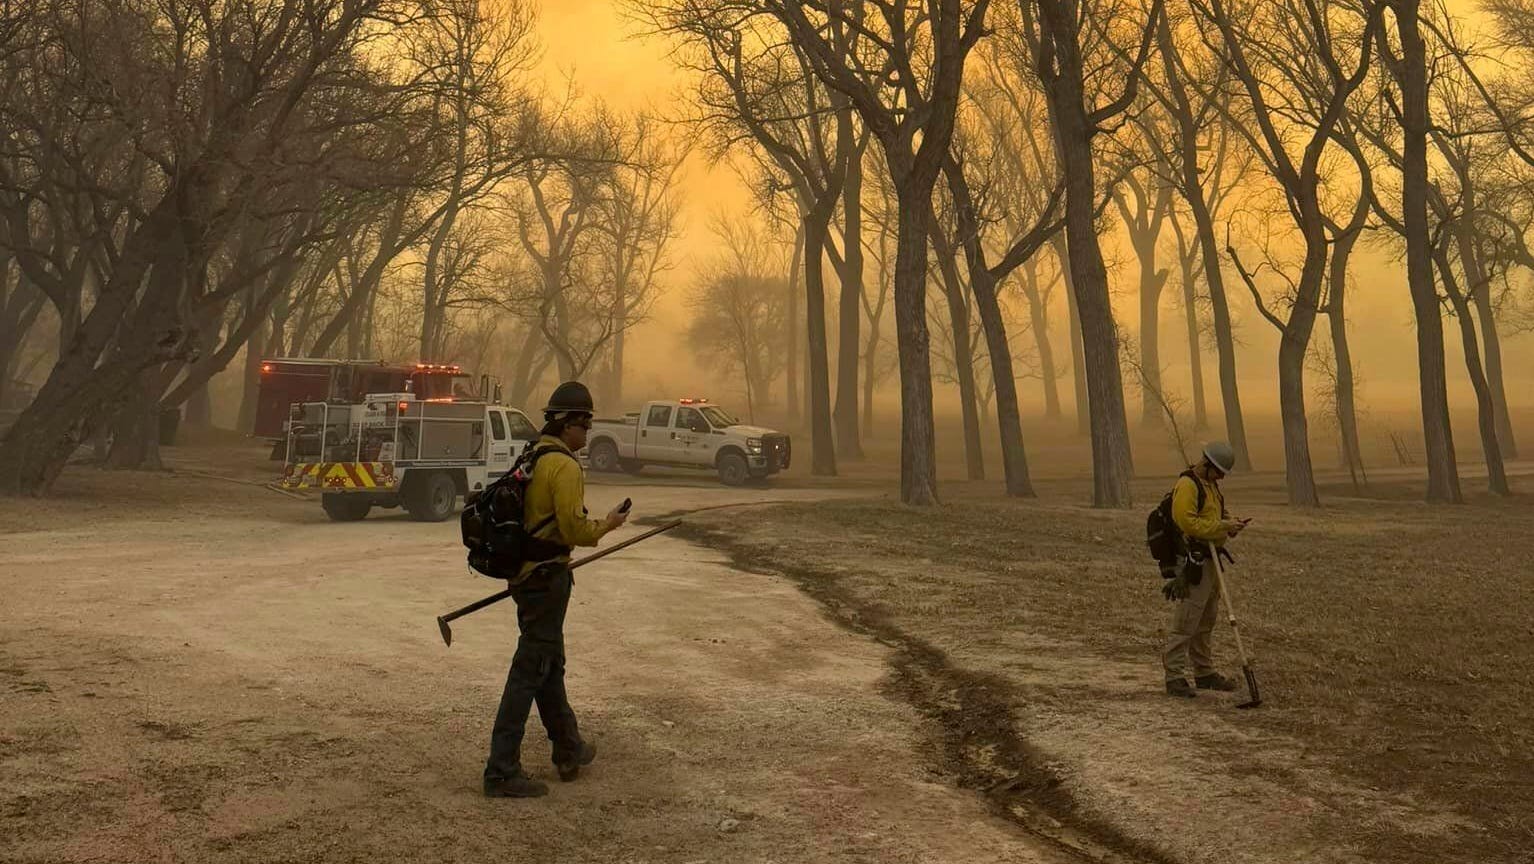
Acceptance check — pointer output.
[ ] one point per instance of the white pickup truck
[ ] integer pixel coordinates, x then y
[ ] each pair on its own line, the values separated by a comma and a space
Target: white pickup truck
687, 433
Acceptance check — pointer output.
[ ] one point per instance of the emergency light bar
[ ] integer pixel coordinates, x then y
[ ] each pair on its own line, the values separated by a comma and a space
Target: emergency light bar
692, 401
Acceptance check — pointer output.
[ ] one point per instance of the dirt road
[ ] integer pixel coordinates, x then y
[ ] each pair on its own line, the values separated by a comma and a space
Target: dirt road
243, 680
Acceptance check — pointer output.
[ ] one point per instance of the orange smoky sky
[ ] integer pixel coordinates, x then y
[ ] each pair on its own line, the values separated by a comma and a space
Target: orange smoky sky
598, 47
595, 44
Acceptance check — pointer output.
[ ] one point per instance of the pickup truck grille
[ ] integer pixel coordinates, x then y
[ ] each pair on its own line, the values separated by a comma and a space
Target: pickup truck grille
778, 450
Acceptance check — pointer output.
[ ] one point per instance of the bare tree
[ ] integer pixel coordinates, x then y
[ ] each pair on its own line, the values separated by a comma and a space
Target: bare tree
906, 89
166, 170
638, 228
558, 212
756, 84
1190, 266
477, 55
1019, 170
1204, 122
962, 358
1060, 58
739, 322
1145, 208
1297, 90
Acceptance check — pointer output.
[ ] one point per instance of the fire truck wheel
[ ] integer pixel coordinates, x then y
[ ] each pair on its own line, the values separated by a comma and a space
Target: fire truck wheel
342, 507
432, 499
604, 457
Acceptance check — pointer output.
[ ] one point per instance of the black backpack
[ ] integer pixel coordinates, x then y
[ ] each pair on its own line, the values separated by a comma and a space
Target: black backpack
492, 523
1167, 544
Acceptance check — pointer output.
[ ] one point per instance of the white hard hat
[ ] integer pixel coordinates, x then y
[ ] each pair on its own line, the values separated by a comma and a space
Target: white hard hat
1221, 456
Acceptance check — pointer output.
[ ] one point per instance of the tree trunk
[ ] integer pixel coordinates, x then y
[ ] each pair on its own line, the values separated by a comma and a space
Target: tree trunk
1477, 285
870, 361
251, 377
822, 443
1038, 315
1014, 457
849, 442
1144, 226
795, 269
69, 405
1195, 348
199, 408
964, 363
1191, 186
1298, 473
1151, 284
1112, 464
522, 381
1347, 413
918, 448
1438, 438
1078, 354
1486, 411
136, 428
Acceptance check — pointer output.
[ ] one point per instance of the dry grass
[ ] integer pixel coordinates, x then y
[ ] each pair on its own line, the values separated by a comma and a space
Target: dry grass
1394, 639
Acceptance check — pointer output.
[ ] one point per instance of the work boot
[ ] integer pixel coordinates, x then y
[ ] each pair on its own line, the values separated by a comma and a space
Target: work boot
1179, 687
571, 769
517, 786
1215, 681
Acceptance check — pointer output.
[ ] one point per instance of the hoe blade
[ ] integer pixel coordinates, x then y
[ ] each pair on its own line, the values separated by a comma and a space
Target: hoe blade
1251, 689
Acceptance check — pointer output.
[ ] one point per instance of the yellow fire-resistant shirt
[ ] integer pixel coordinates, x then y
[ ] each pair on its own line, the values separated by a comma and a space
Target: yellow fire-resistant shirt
1199, 525
558, 489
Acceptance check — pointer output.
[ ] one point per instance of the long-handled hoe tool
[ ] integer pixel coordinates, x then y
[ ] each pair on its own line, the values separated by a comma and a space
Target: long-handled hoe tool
442, 620
1230, 612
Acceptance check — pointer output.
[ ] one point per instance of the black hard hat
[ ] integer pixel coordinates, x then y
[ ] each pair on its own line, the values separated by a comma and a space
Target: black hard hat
571, 397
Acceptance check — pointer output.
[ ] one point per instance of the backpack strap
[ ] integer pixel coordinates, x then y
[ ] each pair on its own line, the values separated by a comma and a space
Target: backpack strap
532, 456
1198, 485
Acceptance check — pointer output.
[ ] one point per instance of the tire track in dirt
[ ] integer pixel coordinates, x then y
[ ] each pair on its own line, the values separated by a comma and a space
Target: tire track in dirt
973, 721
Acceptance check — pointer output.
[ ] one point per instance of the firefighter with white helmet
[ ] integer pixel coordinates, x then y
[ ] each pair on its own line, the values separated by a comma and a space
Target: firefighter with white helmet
1198, 509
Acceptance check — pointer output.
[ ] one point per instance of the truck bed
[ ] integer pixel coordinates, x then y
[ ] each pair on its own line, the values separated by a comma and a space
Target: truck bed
624, 431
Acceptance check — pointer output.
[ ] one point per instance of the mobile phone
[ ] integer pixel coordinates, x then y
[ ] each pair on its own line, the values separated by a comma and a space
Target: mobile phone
624, 507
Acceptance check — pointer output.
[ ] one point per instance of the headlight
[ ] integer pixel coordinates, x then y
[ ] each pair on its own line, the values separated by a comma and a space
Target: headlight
754, 446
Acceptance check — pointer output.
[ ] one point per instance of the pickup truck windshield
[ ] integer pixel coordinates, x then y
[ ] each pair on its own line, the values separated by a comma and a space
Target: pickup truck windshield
719, 417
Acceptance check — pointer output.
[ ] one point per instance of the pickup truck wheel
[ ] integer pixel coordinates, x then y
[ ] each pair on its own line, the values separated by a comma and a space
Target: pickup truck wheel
344, 507
604, 458
432, 499
733, 470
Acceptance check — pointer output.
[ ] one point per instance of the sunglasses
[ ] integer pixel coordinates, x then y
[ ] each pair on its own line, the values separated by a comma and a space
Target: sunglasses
580, 424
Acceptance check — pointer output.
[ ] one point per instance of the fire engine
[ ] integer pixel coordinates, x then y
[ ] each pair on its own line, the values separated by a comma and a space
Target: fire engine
401, 450
286, 380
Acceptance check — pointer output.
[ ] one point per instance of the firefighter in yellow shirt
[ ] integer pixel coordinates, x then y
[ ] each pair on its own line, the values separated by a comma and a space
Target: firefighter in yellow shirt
1197, 589
555, 510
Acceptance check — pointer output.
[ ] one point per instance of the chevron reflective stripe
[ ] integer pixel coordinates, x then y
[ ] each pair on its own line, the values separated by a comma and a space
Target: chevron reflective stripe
340, 475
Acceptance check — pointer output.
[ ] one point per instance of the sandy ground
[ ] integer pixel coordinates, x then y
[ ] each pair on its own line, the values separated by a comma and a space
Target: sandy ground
242, 680
1392, 641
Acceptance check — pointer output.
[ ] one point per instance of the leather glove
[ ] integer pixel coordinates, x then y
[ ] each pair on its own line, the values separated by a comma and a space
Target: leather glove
1175, 589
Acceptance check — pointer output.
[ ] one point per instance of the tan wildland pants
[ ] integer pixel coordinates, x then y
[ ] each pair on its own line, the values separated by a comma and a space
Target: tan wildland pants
1192, 624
